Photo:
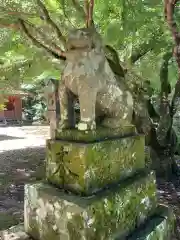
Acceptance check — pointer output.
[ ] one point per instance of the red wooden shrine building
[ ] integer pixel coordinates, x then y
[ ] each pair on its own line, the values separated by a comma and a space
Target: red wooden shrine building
13, 107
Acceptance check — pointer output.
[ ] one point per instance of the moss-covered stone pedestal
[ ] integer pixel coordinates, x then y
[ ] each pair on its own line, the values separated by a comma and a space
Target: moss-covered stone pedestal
86, 166
97, 188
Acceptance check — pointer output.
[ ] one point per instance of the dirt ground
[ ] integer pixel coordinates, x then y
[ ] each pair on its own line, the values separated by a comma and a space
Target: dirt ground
22, 155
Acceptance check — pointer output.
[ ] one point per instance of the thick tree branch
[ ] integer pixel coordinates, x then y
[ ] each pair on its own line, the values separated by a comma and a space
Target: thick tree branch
114, 61
89, 7
40, 32
90, 15
51, 22
86, 9
169, 9
113, 53
38, 43
13, 26
169, 15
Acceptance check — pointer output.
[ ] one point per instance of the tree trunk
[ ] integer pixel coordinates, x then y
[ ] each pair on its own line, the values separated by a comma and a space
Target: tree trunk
161, 139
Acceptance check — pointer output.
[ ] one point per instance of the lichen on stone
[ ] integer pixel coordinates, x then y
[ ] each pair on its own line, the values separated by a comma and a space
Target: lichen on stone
116, 210
86, 168
159, 227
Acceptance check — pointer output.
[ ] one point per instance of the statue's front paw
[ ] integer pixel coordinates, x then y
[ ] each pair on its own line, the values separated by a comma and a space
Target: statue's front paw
85, 126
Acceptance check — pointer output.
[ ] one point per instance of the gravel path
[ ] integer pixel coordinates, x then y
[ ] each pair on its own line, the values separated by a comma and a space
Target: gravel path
22, 154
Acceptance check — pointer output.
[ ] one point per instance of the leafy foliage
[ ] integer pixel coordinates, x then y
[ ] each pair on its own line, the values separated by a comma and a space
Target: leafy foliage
133, 28
34, 105
33, 37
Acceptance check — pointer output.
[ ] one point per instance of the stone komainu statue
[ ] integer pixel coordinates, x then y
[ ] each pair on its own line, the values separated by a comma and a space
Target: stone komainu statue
88, 76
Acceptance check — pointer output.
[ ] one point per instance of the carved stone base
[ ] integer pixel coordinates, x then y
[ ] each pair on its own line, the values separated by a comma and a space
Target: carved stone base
85, 166
54, 214
159, 227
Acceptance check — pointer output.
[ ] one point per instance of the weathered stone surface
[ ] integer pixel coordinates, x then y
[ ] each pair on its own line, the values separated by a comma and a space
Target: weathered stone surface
159, 227
53, 214
95, 135
85, 168
14, 233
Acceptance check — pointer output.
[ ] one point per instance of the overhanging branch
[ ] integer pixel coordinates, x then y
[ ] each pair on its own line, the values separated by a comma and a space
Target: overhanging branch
41, 33
12, 26
38, 43
114, 61
90, 15
89, 8
51, 22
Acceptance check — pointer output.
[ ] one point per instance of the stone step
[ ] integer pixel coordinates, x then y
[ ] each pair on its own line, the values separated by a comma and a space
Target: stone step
85, 168
161, 226
53, 214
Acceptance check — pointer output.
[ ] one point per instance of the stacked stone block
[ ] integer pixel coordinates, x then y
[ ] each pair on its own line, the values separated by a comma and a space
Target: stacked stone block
97, 188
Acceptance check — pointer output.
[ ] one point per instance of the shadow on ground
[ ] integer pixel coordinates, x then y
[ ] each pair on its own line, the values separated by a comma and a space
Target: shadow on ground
6, 137
18, 167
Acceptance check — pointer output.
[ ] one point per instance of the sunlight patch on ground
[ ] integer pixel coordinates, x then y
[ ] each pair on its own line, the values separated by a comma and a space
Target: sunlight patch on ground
21, 144
23, 137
